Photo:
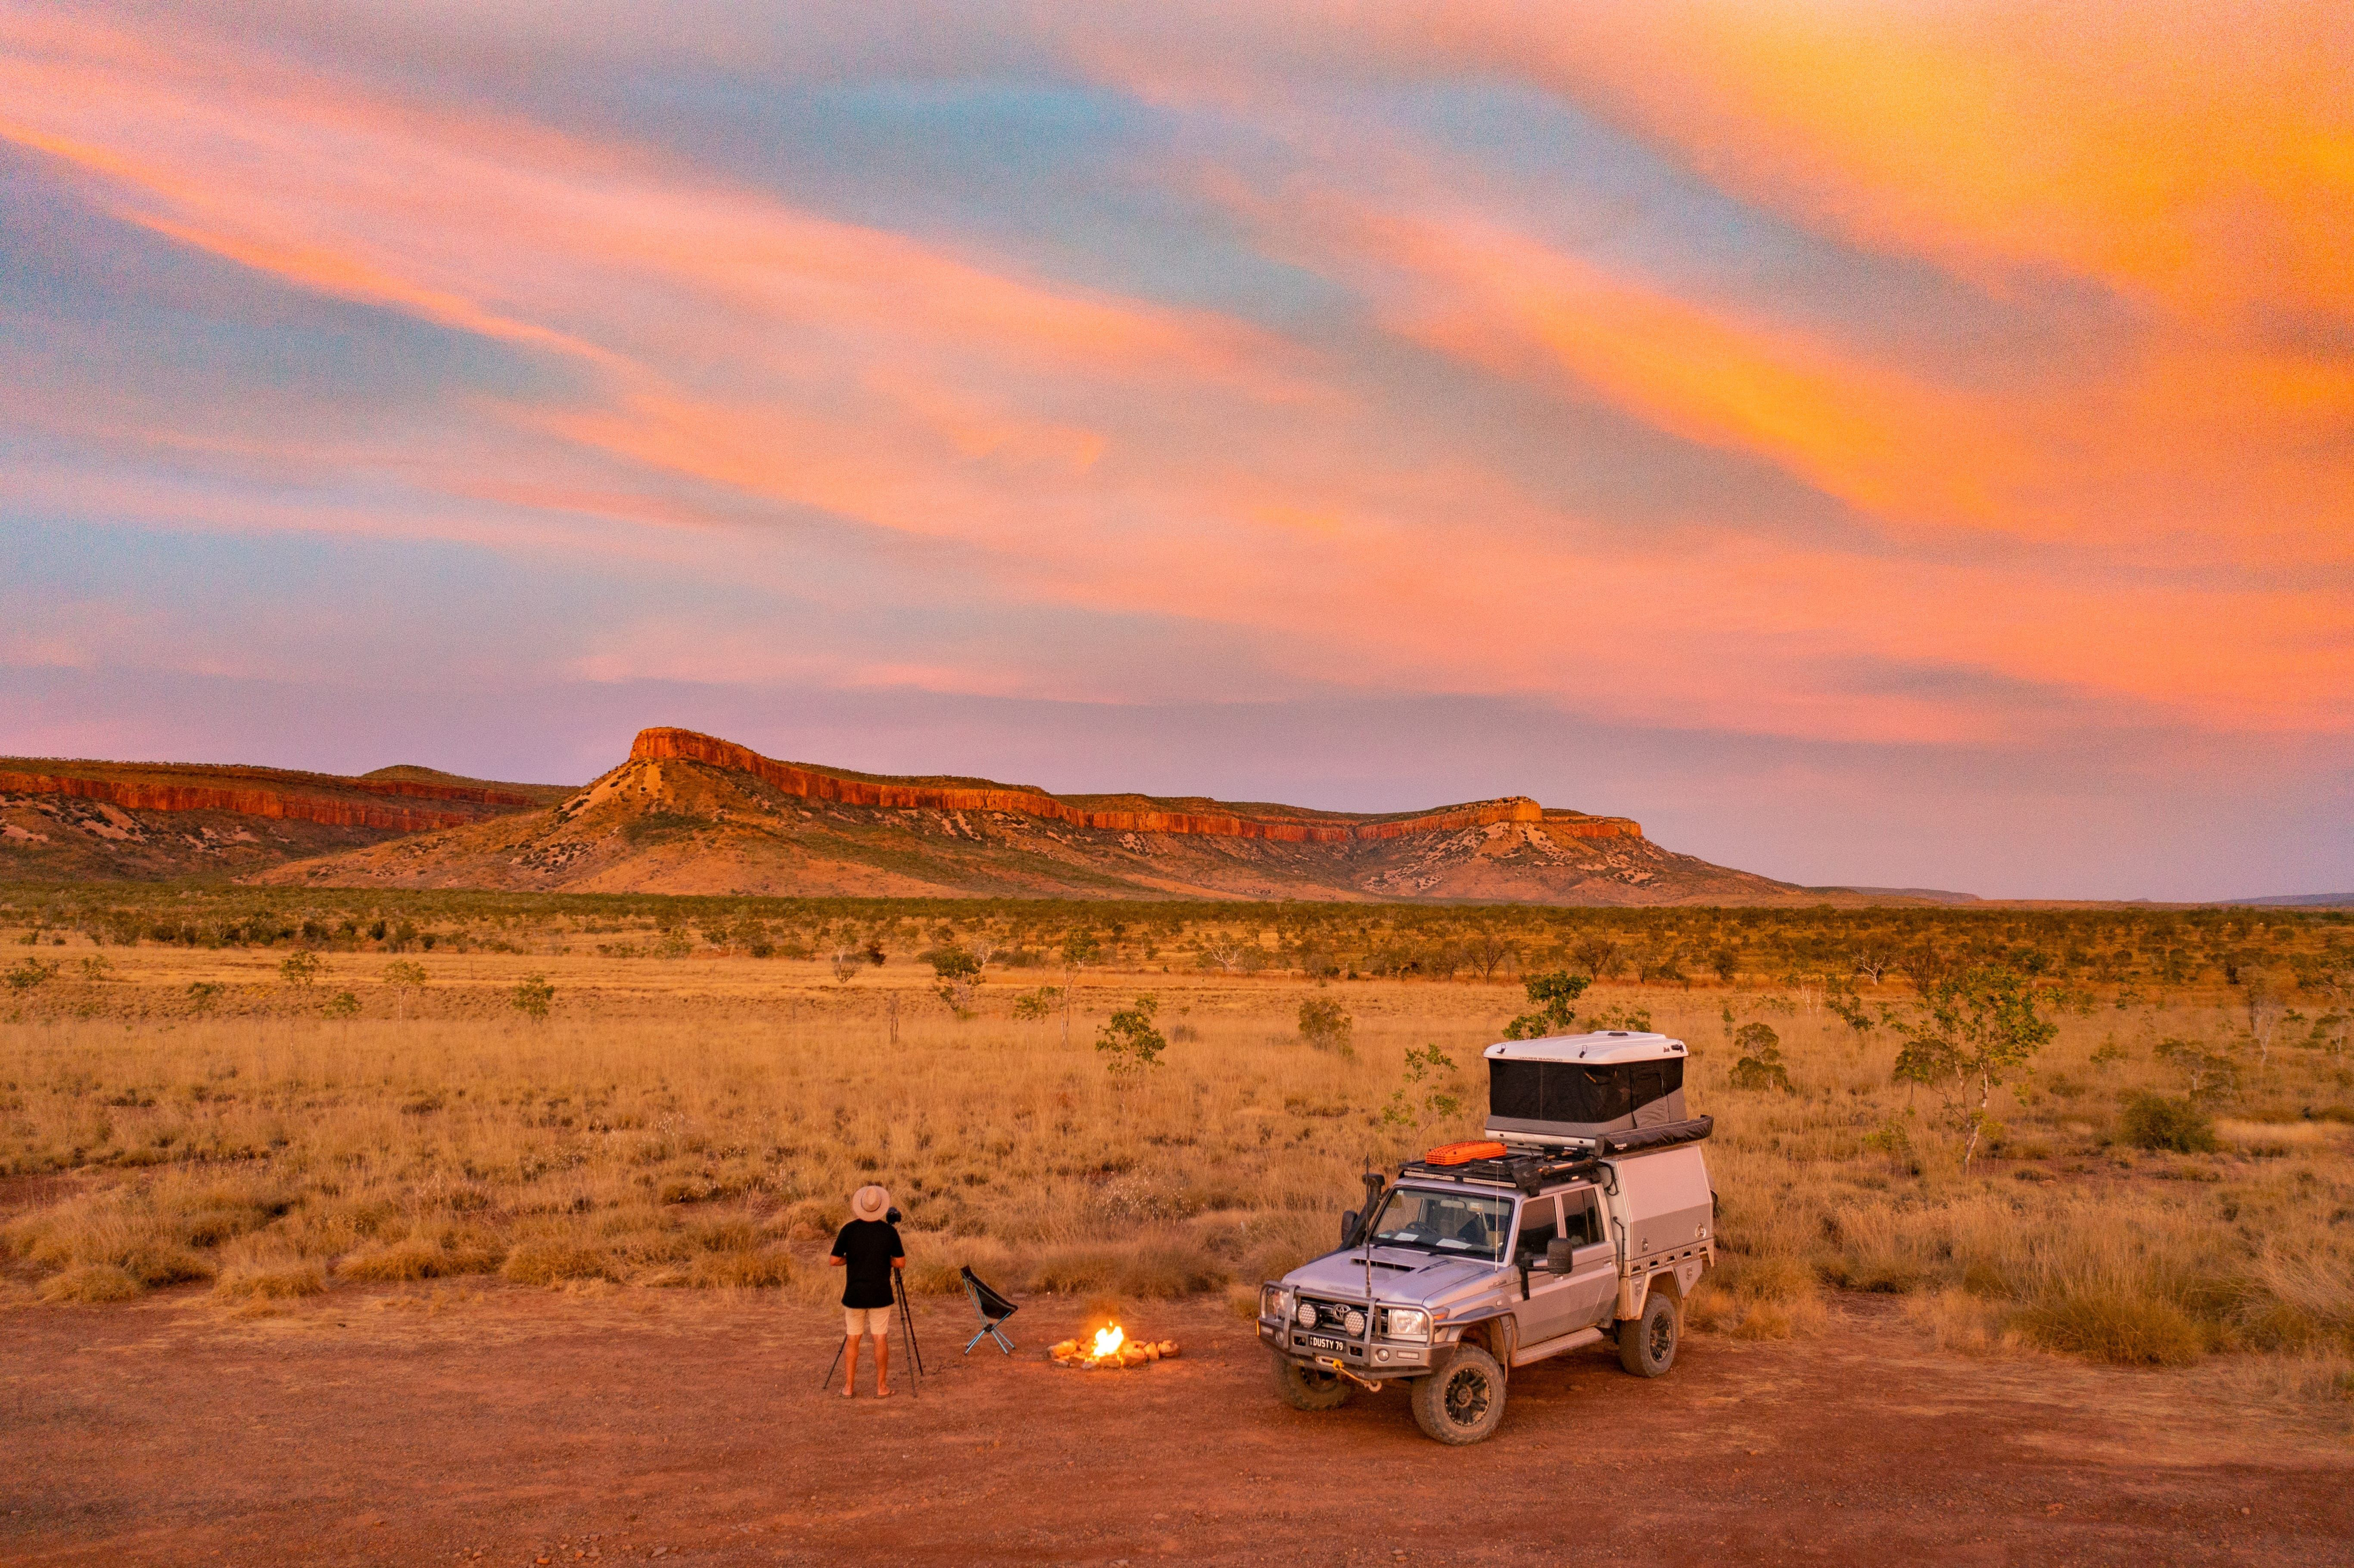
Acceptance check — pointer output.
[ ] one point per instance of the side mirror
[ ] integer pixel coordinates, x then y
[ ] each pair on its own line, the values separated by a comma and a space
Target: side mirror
1559, 1251
1349, 1228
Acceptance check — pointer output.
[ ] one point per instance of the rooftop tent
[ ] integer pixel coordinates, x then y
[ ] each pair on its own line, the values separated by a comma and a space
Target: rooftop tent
1574, 1086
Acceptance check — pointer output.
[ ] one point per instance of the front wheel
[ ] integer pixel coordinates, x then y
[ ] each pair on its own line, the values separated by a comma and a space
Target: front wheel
1647, 1343
1306, 1388
1463, 1401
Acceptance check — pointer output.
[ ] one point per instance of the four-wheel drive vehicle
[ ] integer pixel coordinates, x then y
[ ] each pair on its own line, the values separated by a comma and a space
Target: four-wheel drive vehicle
1585, 1215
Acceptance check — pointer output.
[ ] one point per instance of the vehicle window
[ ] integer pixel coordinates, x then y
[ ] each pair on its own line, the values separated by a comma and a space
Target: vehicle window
1539, 1224
1459, 1223
1580, 1223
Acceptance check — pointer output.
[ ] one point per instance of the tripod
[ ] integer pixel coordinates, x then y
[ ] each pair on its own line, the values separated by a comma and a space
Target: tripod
907, 1332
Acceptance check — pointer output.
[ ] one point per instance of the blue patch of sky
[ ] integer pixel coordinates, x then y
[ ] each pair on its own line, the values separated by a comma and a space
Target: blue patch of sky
90, 302
1596, 191
1083, 183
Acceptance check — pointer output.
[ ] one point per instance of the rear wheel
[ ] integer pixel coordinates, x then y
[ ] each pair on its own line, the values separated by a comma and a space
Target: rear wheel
1463, 1401
1306, 1388
1646, 1343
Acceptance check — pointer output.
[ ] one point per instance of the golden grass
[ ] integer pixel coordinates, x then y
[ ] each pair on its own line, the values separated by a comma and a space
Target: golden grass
699, 1125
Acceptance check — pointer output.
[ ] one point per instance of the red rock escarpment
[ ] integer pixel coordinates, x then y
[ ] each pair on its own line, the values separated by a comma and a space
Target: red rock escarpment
817, 784
253, 796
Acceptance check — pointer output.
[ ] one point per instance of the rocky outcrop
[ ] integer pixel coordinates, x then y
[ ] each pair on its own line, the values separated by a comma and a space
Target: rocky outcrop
856, 789
267, 792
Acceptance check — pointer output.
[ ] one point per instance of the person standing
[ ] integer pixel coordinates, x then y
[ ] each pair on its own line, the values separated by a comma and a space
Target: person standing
866, 1252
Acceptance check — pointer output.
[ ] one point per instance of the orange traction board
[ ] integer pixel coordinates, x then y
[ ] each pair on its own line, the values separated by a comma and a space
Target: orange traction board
1463, 1153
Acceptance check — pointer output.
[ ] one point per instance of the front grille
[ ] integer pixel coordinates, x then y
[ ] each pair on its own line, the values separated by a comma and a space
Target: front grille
1331, 1318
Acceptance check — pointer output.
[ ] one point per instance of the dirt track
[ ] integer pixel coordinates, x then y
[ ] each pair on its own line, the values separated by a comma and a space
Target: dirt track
530, 1427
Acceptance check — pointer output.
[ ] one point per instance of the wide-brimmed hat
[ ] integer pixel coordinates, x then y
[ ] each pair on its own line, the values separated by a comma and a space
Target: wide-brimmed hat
870, 1203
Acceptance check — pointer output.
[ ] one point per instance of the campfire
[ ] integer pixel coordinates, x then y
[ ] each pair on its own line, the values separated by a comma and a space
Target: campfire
1111, 1348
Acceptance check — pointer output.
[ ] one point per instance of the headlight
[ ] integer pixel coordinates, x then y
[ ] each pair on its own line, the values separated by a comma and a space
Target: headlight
1274, 1301
1405, 1323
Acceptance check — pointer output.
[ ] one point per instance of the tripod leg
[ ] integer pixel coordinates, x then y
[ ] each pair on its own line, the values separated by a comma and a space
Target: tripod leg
830, 1366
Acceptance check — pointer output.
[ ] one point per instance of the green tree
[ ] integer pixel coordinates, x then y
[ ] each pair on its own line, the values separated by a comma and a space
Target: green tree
1422, 1094
30, 975
302, 968
1550, 995
404, 977
1128, 1041
343, 1004
534, 995
1760, 1066
1975, 1030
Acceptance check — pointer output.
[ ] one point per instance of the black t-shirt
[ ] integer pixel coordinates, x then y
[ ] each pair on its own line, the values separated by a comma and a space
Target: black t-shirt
866, 1248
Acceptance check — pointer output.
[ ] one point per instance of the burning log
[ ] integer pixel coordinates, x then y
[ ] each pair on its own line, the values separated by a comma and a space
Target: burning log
1111, 1350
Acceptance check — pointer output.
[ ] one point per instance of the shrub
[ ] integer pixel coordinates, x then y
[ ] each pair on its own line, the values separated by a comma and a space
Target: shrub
2111, 1326
2154, 1121
533, 994
1324, 1025
1760, 1066
273, 1282
555, 1263
90, 1282
1128, 1041
743, 1269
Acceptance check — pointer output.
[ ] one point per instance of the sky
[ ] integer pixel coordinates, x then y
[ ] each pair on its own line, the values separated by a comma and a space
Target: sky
1905, 445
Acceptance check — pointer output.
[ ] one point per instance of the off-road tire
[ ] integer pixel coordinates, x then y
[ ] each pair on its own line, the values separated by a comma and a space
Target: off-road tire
1646, 1343
1463, 1401
1305, 1388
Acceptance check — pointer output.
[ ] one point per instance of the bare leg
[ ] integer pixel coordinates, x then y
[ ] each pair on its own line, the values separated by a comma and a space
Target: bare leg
882, 1366
850, 1360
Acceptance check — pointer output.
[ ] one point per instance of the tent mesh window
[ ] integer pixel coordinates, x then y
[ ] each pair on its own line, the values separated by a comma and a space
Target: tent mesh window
1575, 1092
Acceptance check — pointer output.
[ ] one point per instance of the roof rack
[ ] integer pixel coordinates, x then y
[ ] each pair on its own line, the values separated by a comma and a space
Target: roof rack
1524, 1170
1528, 1167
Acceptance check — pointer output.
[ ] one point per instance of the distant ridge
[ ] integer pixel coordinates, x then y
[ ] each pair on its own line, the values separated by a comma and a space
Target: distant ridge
690, 813
75, 819
1115, 813
1925, 895
2295, 901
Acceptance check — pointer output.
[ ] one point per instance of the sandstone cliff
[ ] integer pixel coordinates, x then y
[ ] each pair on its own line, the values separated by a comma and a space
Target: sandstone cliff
78, 819
693, 813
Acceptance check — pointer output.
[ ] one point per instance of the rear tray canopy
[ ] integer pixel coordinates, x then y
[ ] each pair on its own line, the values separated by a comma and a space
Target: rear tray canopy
1572, 1088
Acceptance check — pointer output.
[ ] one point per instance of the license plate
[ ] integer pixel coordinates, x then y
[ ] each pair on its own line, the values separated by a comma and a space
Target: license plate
1317, 1342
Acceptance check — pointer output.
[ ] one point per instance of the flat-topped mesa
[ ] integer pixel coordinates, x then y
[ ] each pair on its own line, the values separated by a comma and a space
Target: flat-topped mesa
976, 795
269, 792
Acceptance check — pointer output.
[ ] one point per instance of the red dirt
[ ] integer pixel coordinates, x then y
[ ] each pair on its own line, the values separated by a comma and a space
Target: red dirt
382, 1427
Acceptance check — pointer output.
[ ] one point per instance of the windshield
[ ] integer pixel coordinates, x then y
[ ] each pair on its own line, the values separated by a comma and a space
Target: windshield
1462, 1224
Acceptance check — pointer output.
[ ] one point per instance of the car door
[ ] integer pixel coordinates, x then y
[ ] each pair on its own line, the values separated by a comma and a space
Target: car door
1550, 1309
1590, 1293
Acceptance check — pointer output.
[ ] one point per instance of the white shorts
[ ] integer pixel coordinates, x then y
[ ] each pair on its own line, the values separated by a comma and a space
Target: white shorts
874, 1321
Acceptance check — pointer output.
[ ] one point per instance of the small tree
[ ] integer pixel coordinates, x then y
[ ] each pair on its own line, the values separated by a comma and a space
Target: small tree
1760, 1066
1034, 1005
404, 977
343, 1004
302, 968
845, 965
1326, 1027
1421, 1095
1600, 957
533, 996
1551, 996
1975, 1030
1128, 1041
202, 994
1488, 951
954, 974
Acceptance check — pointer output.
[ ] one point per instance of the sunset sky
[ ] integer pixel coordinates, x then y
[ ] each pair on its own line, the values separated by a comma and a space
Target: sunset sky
1907, 445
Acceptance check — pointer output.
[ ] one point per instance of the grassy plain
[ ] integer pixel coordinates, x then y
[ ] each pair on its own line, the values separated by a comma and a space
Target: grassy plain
698, 1121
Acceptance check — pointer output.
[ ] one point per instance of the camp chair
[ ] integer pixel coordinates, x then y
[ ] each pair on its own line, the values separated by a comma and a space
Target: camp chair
993, 1309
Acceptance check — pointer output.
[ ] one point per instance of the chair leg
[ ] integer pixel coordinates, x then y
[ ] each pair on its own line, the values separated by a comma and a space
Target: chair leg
976, 1339
1002, 1342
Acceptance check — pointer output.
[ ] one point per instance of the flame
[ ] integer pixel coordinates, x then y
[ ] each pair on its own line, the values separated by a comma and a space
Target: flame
1107, 1341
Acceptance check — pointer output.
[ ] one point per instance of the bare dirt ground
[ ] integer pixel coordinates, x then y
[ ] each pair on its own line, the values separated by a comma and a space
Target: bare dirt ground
515, 1426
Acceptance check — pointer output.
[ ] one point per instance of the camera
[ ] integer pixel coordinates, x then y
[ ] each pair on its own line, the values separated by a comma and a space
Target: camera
891, 1216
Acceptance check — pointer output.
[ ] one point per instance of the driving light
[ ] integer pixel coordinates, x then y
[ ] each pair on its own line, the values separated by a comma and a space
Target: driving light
1401, 1323
1355, 1323
1308, 1314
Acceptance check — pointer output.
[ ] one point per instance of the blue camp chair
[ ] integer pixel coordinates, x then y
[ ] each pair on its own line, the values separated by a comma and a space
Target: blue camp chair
993, 1309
